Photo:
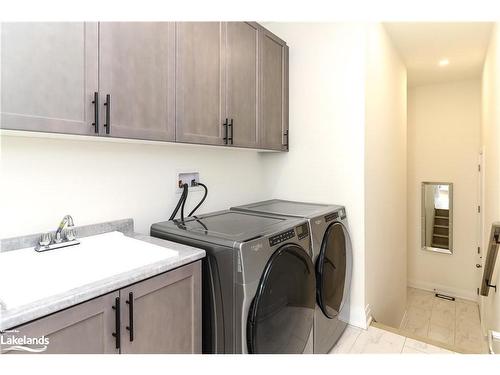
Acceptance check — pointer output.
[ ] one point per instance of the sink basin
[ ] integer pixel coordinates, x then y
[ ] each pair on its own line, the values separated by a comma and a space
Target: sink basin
27, 276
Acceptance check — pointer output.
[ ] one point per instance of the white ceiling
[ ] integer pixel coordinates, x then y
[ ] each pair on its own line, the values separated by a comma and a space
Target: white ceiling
422, 45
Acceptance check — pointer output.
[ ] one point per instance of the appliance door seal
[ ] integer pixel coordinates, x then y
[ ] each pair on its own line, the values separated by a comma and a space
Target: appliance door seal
331, 269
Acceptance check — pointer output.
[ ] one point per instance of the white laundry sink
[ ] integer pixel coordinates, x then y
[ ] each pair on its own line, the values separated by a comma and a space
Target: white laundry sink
27, 276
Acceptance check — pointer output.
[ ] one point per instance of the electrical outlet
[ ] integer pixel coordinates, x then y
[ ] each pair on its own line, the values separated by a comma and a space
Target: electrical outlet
190, 178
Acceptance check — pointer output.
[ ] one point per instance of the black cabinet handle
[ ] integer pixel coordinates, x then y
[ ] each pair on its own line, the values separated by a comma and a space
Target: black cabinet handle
230, 125
225, 125
130, 327
107, 125
117, 332
95, 102
286, 136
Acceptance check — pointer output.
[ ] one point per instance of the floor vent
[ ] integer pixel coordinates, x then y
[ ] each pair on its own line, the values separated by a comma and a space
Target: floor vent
444, 296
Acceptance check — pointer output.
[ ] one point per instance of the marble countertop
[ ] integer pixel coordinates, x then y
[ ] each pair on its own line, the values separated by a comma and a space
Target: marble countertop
143, 257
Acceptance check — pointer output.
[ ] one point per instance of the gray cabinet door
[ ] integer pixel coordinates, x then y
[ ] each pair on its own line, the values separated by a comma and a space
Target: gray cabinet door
136, 68
86, 328
48, 76
199, 82
242, 82
166, 313
273, 92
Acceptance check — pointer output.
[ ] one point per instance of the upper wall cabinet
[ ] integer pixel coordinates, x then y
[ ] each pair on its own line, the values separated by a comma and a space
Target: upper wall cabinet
273, 92
217, 83
199, 82
136, 79
48, 76
231, 85
242, 77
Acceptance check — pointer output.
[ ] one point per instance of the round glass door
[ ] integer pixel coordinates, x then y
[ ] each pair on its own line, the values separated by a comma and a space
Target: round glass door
281, 315
331, 270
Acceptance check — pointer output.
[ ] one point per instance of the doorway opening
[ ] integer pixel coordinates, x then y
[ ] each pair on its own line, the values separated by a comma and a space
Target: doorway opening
444, 64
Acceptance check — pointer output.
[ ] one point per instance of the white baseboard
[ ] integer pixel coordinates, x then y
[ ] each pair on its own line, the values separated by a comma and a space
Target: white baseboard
403, 320
357, 317
368, 314
445, 289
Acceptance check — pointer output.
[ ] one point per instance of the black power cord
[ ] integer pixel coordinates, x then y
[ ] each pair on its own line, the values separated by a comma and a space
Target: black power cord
182, 200
202, 199
183, 203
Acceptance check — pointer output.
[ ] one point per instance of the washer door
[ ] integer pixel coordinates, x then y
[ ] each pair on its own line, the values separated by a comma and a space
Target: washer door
331, 270
281, 315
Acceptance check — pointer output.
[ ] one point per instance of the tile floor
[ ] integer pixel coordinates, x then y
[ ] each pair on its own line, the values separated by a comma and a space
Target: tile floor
377, 341
454, 323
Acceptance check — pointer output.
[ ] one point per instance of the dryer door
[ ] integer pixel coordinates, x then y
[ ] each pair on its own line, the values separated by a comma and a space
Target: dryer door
331, 270
281, 314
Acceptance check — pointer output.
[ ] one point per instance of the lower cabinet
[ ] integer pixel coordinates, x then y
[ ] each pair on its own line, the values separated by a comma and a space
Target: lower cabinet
163, 314
158, 315
86, 328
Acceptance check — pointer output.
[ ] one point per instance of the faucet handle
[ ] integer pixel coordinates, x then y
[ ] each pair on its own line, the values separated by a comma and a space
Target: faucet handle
70, 234
57, 237
45, 239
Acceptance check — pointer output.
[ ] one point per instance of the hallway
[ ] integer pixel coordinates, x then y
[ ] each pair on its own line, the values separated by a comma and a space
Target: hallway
454, 323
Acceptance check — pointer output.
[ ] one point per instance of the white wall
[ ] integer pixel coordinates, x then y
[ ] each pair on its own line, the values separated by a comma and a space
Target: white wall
327, 115
385, 179
491, 145
443, 145
44, 179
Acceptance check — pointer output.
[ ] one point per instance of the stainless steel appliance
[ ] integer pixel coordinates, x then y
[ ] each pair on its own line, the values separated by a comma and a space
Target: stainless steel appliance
332, 255
258, 280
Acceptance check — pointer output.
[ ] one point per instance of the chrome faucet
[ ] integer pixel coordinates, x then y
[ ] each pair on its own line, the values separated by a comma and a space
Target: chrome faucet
66, 220
47, 242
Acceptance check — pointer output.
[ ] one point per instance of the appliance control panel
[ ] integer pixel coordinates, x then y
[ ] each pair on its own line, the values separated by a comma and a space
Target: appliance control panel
302, 231
281, 237
332, 216
335, 215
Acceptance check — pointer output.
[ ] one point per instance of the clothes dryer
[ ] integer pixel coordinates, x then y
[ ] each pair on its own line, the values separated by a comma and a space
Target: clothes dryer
258, 280
332, 255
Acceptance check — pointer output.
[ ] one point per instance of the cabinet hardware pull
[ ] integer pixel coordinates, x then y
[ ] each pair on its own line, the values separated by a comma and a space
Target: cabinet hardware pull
107, 125
95, 102
225, 125
230, 125
130, 327
286, 137
117, 332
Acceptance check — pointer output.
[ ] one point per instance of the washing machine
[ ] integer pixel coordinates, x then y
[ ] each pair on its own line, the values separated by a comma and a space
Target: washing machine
332, 255
258, 280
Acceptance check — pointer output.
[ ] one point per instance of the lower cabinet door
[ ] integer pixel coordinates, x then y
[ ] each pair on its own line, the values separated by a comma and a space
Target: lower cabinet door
86, 328
163, 314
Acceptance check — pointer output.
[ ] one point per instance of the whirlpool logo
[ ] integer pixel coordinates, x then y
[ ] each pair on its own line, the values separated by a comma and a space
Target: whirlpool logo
10, 342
